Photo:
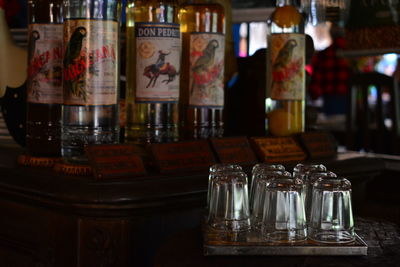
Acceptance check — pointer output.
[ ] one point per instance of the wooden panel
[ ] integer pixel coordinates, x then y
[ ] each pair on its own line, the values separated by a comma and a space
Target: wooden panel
104, 242
183, 156
235, 150
33, 234
115, 161
319, 145
278, 149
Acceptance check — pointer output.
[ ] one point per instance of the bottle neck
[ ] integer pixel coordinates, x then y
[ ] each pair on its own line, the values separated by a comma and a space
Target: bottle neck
285, 2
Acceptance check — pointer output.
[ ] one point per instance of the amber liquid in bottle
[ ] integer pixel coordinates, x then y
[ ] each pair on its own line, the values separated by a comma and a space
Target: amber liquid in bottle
286, 70
202, 83
152, 70
44, 77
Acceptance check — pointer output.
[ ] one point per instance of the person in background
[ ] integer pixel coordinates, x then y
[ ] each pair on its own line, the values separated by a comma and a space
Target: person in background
330, 76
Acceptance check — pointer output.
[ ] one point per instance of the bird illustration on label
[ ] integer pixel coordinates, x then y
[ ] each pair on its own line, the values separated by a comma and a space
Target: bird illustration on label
161, 67
205, 70
75, 65
285, 67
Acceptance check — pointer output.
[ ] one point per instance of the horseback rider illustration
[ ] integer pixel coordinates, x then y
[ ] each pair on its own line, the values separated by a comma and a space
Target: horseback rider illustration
160, 68
161, 59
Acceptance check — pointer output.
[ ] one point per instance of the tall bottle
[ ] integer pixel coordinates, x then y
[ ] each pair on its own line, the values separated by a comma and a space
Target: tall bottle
90, 76
153, 69
286, 70
202, 75
44, 92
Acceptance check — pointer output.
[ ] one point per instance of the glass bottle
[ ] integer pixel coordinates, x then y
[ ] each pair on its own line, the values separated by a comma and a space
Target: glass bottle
153, 69
90, 76
44, 92
202, 75
286, 70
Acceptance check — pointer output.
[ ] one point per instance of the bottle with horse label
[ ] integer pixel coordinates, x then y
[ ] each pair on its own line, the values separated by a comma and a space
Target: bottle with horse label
153, 69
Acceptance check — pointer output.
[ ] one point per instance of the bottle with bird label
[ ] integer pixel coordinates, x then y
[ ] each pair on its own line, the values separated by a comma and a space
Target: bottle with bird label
44, 90
153, 69
90, 76
286, 70
202, 75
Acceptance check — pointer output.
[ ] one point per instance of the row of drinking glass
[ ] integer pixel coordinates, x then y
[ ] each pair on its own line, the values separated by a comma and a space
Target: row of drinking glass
312, 202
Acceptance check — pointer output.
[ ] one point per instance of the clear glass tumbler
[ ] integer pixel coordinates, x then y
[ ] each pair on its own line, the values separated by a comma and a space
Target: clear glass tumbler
310, 180
331, 219
219, 167
229, 203
303, 170
258, 200
284, 216
261, 168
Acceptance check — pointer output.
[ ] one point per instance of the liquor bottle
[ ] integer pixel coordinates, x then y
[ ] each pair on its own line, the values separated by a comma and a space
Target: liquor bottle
44, 92
202, 75
153, 69
286, 70
13, 75
90, 76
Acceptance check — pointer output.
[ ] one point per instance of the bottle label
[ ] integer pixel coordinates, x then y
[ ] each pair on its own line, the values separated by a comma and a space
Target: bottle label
90, 62
287, 81
45, 63
158, 48
206, 86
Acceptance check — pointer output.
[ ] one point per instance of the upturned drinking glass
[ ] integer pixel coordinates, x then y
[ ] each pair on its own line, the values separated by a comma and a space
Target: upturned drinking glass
303, 170
310, 180
331, 219
258, 201
271, 167
219, 167
284, 216
229, 204
260, 168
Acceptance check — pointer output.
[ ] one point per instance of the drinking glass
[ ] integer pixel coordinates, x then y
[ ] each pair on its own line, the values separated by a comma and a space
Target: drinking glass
310, 180
284, 216
258, 201
219, 167
331, 219
303, 170
260, 168
229, 204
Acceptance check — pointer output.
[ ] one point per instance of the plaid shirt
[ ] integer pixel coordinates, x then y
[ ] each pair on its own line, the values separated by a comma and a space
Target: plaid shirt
330, 73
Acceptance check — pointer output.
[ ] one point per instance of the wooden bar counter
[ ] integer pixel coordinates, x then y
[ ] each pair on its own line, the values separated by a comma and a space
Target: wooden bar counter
50, 219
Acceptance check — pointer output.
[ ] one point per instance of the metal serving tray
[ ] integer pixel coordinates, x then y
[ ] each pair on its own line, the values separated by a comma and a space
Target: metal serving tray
252, 243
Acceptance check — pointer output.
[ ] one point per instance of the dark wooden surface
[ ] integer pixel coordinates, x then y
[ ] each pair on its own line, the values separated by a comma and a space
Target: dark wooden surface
49, 219
383, 239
